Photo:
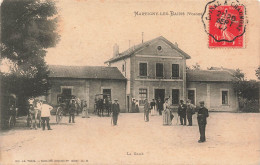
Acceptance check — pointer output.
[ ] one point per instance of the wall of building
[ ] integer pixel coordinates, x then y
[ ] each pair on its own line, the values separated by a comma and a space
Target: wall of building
151, 66
78, 89
210, 93
118, 91
152, 85
126, 72
152, 55
87, 89
166, 50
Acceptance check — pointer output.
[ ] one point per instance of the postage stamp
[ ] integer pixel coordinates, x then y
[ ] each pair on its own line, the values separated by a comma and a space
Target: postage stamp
225, 23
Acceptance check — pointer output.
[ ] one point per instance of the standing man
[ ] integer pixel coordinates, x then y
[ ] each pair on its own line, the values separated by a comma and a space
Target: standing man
146, 110
72, 109
160, 106
107, 104
115, 111
152, 104
182, 112
190, 112
45, 115
133, 106
202, 121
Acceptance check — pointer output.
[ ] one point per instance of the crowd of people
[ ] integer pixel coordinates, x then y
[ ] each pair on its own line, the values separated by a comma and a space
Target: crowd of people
39, 114
185, 112
41, 110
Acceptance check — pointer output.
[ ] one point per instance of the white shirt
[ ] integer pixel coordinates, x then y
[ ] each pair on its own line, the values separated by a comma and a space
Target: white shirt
46, 110
38, 106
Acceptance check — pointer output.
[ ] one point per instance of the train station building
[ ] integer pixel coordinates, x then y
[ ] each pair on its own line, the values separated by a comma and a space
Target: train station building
86, 82
151, 70
157, 69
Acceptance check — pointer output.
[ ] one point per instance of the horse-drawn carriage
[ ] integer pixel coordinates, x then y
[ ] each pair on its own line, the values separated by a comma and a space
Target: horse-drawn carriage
63, 108
102, 103
8, 111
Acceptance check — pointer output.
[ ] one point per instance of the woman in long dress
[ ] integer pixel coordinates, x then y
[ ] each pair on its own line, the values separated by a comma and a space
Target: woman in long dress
152, 104
133, 106
166, 113
85, 110
136, 107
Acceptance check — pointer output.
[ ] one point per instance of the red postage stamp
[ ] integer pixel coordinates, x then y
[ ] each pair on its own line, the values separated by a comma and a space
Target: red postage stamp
225, 24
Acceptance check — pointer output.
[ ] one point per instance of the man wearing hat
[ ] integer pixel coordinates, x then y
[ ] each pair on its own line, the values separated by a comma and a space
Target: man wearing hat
190, 111
160, 106
45, 115
182, 112
72, 110
115, 111
146, 110
202, 121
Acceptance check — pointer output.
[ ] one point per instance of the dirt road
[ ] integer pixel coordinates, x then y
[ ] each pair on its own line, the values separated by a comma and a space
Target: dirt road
232, 138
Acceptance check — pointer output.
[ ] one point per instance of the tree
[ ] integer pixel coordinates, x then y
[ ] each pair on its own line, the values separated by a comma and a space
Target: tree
247, 91
28, 29
239, 75
257, 73
193, 67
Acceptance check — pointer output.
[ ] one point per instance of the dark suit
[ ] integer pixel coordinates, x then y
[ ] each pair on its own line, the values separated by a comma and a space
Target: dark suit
146, 111
202, 122
72, 110
190, 112
182, 113
115, 111
160, 107
133, 107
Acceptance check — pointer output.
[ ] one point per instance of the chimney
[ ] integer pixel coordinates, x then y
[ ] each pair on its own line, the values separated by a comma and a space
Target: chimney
116, 50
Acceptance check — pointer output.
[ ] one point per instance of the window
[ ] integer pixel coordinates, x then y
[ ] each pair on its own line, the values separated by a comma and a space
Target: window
106, 93
224, 97
123, 67
191, 96
66, 91
159, 48
143, 69
175, 70
175, 96
142, 95
159, 70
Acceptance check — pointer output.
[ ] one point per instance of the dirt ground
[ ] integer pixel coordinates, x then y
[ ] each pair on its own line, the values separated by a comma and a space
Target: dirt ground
232, 138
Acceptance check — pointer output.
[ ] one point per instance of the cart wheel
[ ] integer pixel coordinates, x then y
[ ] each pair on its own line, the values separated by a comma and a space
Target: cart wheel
11, 122
59, 115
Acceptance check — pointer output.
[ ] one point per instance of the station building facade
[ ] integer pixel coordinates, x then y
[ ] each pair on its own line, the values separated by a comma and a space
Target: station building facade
157, 69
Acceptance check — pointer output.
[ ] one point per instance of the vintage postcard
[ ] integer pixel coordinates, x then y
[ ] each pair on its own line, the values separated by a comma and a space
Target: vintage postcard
147, 82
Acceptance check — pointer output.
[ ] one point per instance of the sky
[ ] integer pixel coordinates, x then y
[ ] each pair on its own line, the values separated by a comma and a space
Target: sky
89, 29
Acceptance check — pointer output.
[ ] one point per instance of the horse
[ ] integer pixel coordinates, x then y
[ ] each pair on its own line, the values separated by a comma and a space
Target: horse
34, 113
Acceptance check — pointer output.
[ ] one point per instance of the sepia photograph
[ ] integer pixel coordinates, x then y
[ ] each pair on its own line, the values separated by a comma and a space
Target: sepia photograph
130, 82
